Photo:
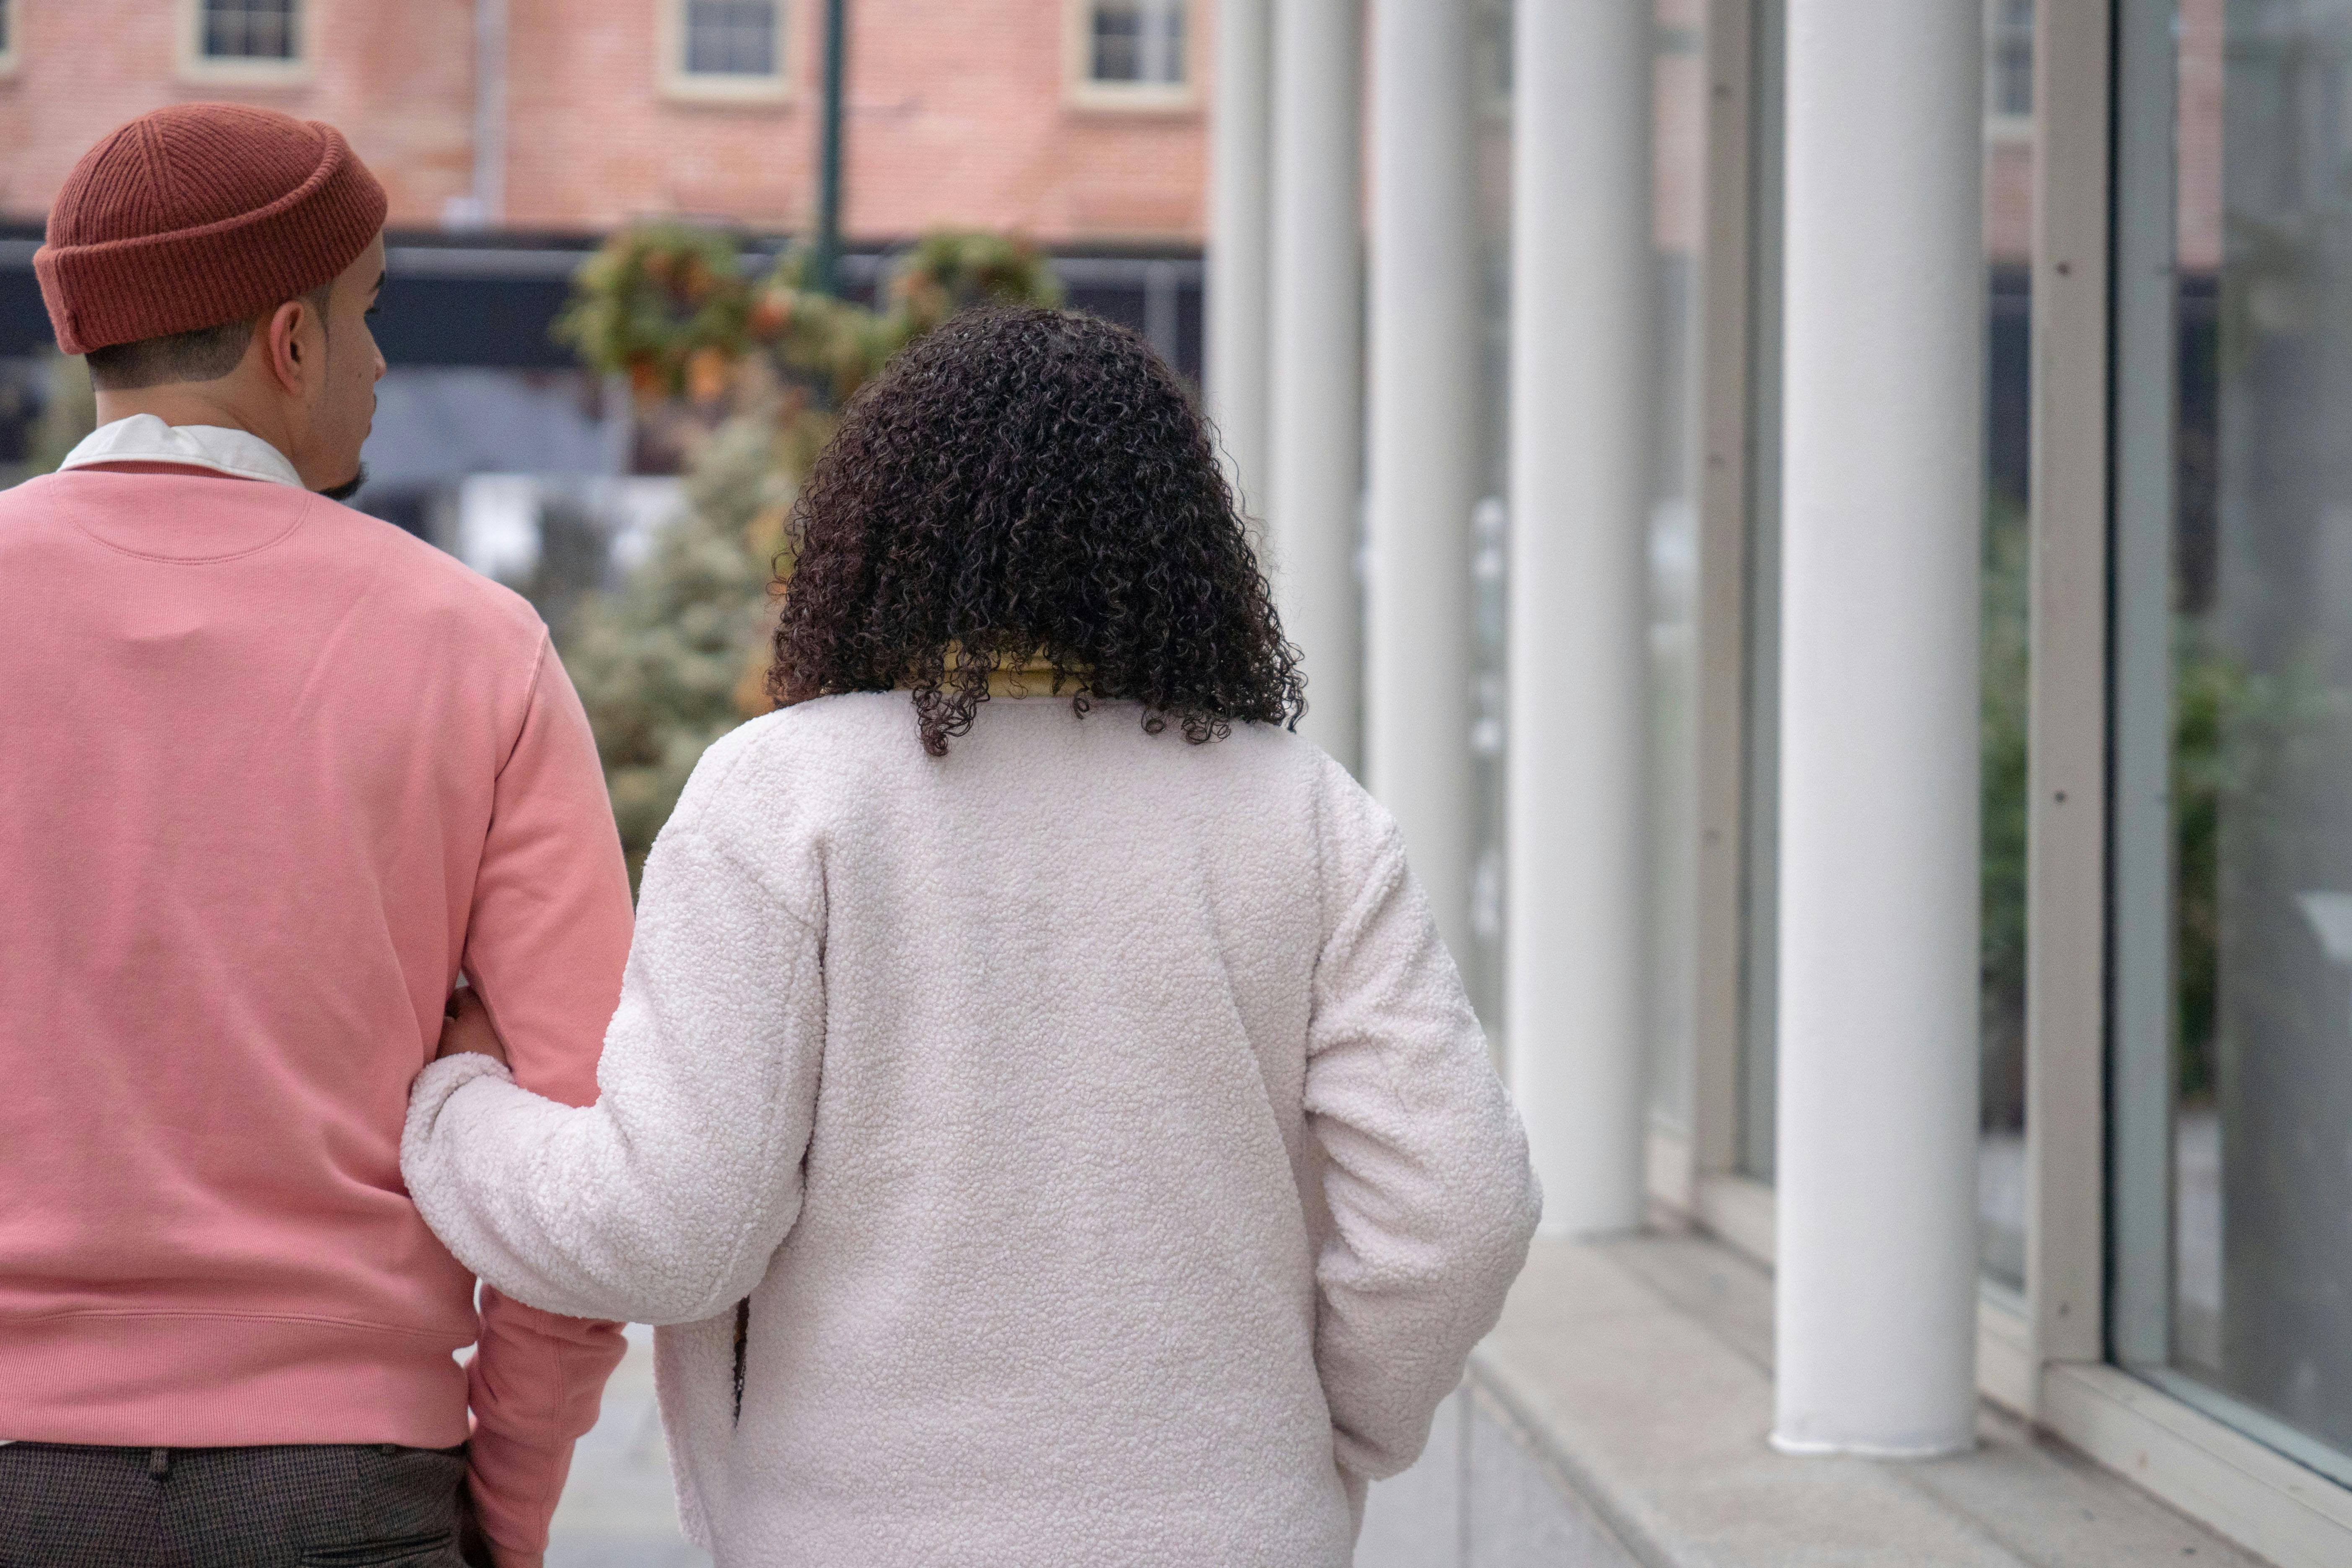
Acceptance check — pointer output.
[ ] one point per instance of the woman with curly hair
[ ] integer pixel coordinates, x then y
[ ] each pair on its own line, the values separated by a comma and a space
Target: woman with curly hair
1040, 1110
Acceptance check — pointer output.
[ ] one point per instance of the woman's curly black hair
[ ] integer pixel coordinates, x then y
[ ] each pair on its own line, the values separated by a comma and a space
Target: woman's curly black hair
1026, 484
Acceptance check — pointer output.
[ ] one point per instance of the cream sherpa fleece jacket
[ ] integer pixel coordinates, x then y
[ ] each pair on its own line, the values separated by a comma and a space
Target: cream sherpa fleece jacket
1094, 1121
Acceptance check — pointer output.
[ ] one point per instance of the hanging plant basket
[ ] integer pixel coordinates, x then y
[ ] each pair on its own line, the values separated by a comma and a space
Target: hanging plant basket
664, 305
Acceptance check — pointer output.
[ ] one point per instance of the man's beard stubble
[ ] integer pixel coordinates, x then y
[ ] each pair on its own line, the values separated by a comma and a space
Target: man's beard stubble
349, 488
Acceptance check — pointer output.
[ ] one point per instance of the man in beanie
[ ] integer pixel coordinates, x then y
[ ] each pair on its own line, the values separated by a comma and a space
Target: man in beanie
273, 775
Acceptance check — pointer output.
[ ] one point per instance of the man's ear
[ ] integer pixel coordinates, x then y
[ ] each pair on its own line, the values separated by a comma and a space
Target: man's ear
292, 336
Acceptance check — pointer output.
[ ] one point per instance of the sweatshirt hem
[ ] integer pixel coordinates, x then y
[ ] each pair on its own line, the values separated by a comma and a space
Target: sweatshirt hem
360, 1325
130, 1378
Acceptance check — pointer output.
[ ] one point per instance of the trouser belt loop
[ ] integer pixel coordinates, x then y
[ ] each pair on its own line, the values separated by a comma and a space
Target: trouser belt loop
159, 1462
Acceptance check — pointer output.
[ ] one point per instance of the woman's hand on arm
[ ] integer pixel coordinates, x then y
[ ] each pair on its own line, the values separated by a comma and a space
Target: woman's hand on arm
466, 1027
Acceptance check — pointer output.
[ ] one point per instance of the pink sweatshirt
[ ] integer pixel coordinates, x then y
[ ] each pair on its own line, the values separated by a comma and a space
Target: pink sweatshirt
272, 773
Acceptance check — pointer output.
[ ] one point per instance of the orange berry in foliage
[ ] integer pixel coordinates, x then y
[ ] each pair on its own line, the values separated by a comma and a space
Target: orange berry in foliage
770, 315
646, 378
708, 372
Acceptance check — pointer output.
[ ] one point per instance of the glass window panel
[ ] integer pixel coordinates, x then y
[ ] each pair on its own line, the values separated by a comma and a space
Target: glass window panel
2009, 172
731, 38
250, 29
1679, 209
1490, 521
2233, 867
2008, 60
1761, 800
1139, 41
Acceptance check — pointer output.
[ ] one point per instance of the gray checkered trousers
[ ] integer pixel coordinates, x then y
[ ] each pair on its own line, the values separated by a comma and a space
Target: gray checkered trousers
301, 1506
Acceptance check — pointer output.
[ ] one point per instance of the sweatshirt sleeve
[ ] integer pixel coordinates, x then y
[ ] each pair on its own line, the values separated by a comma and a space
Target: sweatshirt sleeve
1433, 1200
663, 1202
548, 930
546, 940
535, 1382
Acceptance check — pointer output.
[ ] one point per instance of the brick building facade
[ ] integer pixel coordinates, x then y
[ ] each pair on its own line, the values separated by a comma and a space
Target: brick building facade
1057, 118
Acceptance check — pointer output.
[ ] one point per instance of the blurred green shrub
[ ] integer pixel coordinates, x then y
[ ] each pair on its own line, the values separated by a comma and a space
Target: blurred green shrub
68, 412
2004, 668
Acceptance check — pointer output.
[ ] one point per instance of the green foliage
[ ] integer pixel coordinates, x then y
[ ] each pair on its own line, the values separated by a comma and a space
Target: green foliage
2003, 676
2233, 730
68, 412
678, 656
662, 665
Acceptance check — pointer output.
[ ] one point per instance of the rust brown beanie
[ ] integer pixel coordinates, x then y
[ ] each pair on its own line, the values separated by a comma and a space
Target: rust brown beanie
197, 215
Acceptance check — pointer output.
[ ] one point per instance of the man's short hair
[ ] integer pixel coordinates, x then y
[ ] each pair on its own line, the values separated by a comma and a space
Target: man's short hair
207, 353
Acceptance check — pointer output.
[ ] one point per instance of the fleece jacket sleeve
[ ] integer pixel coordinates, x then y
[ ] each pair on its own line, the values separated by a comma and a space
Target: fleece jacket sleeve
1432, 1198
546, 940
663, 1202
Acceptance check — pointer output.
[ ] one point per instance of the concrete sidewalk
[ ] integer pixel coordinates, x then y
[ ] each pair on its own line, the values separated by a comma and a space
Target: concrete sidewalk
618, 1511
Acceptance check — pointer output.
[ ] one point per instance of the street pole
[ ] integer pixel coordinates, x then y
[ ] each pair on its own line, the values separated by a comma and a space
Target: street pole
825, 263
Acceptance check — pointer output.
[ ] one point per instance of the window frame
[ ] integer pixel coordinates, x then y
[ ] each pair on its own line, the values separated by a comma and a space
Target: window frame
197, 67
725, 89
1082, 91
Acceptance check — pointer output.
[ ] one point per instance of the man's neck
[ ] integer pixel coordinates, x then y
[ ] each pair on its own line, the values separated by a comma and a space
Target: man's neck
213, 403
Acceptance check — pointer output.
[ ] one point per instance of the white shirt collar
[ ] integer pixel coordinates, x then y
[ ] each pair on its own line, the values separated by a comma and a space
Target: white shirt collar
144, 439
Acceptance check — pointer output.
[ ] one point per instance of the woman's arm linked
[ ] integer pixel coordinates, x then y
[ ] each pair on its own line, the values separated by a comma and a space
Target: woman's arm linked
663, 1202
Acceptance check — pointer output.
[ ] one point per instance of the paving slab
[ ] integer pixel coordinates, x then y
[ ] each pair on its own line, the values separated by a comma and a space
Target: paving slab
1640, 1370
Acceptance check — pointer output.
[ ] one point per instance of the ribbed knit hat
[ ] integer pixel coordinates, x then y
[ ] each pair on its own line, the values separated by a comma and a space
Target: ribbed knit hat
200, 215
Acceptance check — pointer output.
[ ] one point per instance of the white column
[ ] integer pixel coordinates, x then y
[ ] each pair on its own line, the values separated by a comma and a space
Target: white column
1423, 448
1582, 356
1241, 151
1316, 359
1877, 1265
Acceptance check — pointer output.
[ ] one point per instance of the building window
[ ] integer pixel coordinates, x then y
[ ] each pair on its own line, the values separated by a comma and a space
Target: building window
724, 51
251, 30
2008, 61
2005, 646
245, 43
1139, 41
1133, 54
731, 38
